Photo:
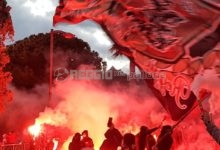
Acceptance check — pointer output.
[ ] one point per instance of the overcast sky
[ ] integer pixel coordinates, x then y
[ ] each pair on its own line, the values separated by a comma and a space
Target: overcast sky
35, 16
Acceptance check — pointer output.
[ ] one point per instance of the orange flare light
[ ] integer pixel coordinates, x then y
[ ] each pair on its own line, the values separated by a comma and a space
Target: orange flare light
55, 143
35, 130
155, 137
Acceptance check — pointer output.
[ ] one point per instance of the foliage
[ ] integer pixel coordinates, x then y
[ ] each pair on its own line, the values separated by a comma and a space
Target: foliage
6, 32
30, 58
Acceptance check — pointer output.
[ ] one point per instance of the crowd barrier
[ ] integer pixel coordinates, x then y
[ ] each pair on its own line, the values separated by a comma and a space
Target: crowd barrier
23, 146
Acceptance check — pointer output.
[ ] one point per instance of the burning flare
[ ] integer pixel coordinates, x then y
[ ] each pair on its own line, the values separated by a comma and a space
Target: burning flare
55, 142
155, 137
35, 130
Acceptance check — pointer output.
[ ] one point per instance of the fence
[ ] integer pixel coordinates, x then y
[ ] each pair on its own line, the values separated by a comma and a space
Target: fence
23, 146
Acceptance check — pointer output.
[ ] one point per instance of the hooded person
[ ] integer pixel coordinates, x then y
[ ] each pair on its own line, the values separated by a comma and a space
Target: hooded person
165, 140
144, 139
75, 144
113, 137
87, 142
128, 142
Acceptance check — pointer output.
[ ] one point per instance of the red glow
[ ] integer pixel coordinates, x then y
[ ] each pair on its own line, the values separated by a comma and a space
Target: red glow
77, 111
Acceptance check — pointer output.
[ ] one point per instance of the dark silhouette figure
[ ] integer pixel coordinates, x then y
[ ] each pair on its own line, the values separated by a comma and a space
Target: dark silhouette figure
165, 139
151, 142
177, 138
128, 142
143, 136
86, 141
75, 144
113, 138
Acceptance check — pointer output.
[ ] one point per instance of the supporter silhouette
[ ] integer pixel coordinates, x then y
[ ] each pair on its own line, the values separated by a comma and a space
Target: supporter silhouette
87, 142
128, 142
143, 136
113, 137
165, 139
75, 144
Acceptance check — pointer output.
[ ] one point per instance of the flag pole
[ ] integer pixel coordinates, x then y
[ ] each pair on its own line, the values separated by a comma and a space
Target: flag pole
203, 94
51, 65
184, 116
132, 72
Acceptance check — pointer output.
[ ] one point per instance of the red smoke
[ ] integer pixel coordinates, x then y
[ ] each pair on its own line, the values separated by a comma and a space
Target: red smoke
87, 105
80, 105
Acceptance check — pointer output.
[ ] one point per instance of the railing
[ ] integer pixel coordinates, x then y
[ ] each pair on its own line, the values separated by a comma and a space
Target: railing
23, 146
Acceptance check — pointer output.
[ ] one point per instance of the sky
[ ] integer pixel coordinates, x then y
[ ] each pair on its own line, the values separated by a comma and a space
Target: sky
35, 16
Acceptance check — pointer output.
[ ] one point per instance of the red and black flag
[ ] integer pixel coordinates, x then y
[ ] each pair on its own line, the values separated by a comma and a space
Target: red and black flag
178, 39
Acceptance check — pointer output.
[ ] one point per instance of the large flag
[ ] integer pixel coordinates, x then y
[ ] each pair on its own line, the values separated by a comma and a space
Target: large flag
172, 41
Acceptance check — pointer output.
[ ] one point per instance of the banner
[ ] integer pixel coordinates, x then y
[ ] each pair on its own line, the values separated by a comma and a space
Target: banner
178, 39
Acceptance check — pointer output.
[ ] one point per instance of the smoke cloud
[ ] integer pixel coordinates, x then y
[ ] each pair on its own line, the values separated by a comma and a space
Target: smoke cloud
80, 105
25, 106
88, 105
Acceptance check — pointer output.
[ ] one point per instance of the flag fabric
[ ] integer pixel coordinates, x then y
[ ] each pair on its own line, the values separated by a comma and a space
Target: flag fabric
169, 102
60, 18
77, 11
173, 39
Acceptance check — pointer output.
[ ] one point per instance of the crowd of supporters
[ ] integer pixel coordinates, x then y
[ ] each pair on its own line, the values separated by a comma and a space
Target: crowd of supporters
114, 140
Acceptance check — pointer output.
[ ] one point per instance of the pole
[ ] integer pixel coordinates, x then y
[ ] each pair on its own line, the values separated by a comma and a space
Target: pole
184, 116
132, 72
51, 65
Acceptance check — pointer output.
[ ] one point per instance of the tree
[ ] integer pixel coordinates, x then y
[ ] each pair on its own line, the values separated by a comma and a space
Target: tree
6, 32
30, 58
